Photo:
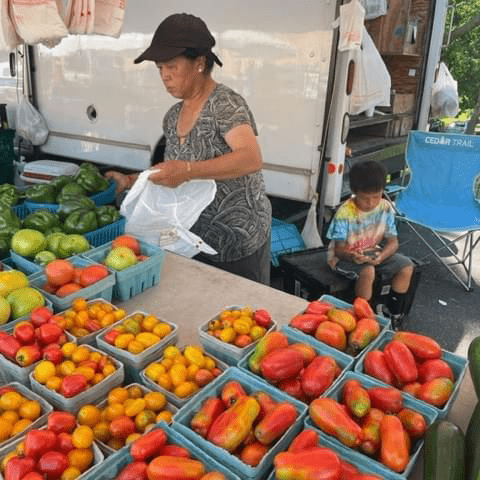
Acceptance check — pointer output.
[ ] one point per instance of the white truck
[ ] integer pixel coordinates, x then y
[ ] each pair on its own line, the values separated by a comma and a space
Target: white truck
283, 57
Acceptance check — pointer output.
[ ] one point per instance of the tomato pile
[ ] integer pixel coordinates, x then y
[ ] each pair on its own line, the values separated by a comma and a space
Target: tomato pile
348, 330
240, 327
128, 413
61, 450
41, 336
137, 332
78, 369
183, 373
17, 412
84, 318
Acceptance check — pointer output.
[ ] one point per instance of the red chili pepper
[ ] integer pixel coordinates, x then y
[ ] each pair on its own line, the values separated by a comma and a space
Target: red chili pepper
40, 315
37, 442
18, 467
9, 345
28, 355
49, 333
53, 353
24, 332
72, 385
61, 422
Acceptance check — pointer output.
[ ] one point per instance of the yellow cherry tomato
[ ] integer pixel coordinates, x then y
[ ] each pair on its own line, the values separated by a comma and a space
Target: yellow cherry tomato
43, 371
82, 437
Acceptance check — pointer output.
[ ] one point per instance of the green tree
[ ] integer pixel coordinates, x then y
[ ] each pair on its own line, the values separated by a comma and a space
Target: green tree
462, 58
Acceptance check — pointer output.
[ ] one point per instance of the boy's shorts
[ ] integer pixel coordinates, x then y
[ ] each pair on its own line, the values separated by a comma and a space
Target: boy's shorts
388, 268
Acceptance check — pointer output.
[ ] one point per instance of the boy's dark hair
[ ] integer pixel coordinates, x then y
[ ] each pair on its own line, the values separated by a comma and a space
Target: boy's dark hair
367, 177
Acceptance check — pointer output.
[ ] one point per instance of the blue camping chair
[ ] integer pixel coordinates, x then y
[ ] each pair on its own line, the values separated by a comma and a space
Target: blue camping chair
441, 194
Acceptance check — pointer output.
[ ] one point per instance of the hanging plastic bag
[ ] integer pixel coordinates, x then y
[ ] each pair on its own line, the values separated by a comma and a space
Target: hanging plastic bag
37, 22
30, 123
109, 15
163, 215
371, 83
310, 234
351, 19
8, 36
444, 94
374, 8
90, 17
76, 19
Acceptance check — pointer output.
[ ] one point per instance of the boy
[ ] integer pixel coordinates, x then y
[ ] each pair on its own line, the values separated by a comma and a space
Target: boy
364, 239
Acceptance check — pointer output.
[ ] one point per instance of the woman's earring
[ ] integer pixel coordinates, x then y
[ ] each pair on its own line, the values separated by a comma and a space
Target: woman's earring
200, 69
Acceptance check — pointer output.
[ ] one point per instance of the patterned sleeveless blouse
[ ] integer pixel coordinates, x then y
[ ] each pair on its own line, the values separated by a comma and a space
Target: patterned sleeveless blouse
237, 222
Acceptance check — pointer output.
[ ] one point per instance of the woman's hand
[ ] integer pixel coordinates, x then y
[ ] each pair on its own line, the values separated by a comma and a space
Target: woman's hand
122, 181
171, 173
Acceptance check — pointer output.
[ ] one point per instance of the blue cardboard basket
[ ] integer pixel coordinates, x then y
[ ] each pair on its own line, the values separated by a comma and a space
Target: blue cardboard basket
344, 453
457, 363
110, 468
107, 233
182, 419
24, 264
285, 238
101, 289
427, 411
135, 279
344, 361
100, 198
336, 302
226, 352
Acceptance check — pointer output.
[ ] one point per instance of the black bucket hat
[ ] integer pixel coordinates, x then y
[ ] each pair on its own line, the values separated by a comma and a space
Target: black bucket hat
175, 34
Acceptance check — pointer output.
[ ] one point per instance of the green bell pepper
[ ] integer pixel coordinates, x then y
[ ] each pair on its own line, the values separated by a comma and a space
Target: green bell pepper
73, 188
89, 166
91, 181
5, 241
69, 204
9, 219
62, 180
41, 193
81, 221
55, 229
107, 214
41, 220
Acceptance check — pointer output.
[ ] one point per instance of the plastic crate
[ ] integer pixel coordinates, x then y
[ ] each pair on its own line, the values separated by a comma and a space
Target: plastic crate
106, 449
97, 456
427, 411
39, 422
90, 396
336, 302
101, 289
171, 397
181, 422
285, 238
457, 363
114, 464
344, 361
91, 338
135, 363
107, 233
100, 198
137, 278
344, 453
226, 352
20, 210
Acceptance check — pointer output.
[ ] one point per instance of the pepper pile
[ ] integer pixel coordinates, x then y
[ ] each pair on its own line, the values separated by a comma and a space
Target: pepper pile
157, 459
9, 225
373, 420
61, 450
245, 425
306, 458
39, 337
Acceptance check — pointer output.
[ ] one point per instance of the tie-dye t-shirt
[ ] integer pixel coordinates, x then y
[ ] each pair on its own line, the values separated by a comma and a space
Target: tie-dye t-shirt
362, 231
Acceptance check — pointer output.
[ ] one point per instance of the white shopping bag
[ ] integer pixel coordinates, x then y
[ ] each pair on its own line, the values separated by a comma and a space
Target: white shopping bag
310, 234
30, 123
8, 36
109, 15
444, 94
351, 19
163, 215
37, 22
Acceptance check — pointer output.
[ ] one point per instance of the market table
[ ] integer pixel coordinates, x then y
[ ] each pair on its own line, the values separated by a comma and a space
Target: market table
189, 293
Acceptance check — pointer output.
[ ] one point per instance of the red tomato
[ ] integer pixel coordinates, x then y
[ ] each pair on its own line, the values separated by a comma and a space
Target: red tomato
122, 427
40, 315
59, 272
53, 464
92, 274
127, 241
59, 422
64, 442
67, 289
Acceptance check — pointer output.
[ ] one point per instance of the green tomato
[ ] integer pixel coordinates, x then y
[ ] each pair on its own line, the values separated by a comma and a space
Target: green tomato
44, 257
72, 244
53, 241
28, 243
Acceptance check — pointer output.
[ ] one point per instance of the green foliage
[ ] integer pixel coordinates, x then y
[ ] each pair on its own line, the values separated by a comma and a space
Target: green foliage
461, 56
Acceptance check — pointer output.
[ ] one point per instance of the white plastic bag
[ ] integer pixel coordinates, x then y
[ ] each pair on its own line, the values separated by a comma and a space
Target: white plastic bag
38, 21
163, 215
351, 19
8, 36
371, 83
30, 123
444, 94
374, 8
310, 234
109, 15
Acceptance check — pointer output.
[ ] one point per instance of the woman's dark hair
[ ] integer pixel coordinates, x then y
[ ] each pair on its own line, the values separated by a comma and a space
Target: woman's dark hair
193, 53
367, 177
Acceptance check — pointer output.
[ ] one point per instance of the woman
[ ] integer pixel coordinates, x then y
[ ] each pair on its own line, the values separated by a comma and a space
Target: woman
211, 134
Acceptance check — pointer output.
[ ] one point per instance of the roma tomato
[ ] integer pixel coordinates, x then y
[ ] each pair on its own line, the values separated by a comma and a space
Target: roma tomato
92, 274
393, 447
61, 422
148, 445
18, 467
37, 442
40, 315
134, 471
434, 368
121, 427
53, 464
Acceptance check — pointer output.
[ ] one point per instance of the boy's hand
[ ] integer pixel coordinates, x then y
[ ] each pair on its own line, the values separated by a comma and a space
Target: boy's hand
360, 258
